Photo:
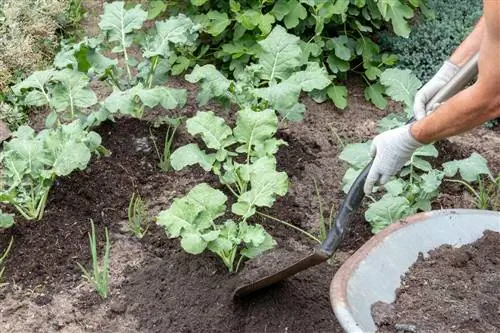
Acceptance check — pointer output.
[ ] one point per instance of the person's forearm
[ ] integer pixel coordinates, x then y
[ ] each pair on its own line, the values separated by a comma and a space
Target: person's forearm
470, 45
468, 109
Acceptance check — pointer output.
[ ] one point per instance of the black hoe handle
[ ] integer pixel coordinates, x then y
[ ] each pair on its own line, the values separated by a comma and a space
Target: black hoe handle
355, 195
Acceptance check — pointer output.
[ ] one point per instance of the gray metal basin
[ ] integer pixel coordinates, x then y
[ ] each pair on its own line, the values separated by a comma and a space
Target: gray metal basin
374, 272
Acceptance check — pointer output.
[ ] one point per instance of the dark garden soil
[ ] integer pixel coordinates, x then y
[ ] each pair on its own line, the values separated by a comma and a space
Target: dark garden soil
451, 290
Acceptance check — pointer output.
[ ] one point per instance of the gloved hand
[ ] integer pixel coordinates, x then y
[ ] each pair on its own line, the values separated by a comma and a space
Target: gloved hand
425, 94
391, 149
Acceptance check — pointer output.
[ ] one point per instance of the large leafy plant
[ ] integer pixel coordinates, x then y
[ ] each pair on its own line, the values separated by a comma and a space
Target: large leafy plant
137, 70
418, 182
337, 34
31, 162
243, 159
275, 80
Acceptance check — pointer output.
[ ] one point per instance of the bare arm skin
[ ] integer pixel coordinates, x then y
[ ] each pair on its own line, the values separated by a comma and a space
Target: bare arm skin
481, 101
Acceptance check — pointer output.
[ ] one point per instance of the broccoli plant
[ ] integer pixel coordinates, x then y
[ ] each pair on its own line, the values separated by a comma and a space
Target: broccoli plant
274, 81
31, 162
137, 79
243, 159
418, 182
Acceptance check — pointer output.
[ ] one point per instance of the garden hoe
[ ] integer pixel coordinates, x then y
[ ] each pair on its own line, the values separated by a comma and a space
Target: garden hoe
353, 200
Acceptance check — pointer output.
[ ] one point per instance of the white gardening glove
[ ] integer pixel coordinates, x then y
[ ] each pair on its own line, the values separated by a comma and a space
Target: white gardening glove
425, 94
391, 149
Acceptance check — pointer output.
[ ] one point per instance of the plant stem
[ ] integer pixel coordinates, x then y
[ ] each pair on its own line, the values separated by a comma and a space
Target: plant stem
152, 70
463, 183
129, 73
291, 226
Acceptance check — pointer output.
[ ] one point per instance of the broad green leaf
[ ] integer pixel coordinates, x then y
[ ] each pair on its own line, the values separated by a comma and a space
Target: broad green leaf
391, 121
256, 240
169, 98
122, 101
266, 22
395, 187
374, 94
198, 2
180, 216
290, 11
265, 184
254, 128
6, 220
37, 80
217, 22
337, 65
426, 150
118, 23
314, 77
281, 96
401, 85
387, 210
280, 55
72, 93
193, 243
421, 164
396, 12
357, 154
211, 200
470, 168
294, 113
179, 30
213, 83
213, 130
341, 47
338, 95
191, 154
431, 181
156, 7
74, 155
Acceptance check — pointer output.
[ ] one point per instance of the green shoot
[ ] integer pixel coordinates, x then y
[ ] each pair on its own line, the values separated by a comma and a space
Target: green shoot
325, 224
3, 257
173, 124
137, 222
487, 196
99, 278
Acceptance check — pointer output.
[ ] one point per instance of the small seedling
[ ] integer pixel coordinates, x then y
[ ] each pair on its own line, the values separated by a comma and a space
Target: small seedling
99, 277
2, 259
173, 124
137, 222
487, 196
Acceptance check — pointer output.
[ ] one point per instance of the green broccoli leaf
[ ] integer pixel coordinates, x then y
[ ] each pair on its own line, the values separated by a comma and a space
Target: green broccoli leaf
265, 184
72, 92
357, 154
179, 30
6, 221
256, 240
213, 83
431, 181
213, 130
470, 168
401, 85
281, 54
338, 95
191, 154
387, 210
119, 22
254, 129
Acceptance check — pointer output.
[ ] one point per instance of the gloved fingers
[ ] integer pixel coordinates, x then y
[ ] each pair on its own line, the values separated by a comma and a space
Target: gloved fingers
371, 179
384, 179
419, 106
373, 148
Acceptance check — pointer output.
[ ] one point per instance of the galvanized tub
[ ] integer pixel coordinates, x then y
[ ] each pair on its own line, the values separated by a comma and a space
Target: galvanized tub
373, 273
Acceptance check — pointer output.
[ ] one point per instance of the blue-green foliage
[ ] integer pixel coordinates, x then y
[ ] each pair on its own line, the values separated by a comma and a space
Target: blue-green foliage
433, 40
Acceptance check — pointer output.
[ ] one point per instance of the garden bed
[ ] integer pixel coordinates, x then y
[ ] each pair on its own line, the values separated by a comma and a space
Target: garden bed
453, 289
155, 286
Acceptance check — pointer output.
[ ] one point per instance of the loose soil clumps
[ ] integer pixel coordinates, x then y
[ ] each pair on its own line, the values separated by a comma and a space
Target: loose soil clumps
452, 290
